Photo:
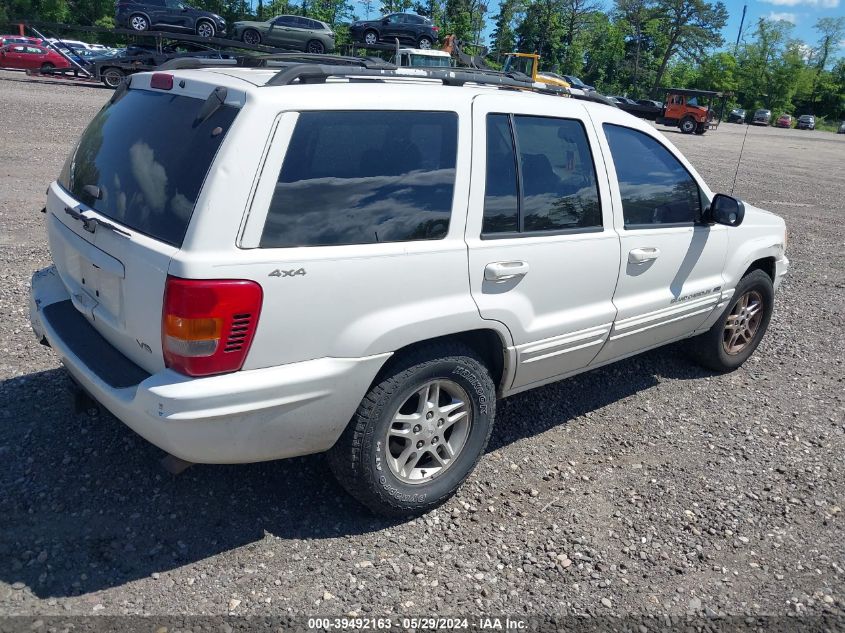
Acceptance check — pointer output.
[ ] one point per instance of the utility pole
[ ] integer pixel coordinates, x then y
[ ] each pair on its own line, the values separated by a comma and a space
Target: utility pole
739, 33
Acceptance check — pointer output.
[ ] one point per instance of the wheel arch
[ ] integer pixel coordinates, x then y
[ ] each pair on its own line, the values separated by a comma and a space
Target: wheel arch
489, 344
143, 14
766, 264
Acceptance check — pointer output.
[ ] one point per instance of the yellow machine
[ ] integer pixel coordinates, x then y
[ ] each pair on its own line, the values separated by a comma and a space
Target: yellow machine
529, 64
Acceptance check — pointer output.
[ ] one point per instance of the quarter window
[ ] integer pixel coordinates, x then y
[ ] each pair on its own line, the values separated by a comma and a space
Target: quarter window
364, 177
655, 187
552, 186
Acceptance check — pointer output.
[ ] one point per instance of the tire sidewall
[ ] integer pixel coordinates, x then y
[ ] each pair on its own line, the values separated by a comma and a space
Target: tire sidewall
688, 126
761, 282
474, 380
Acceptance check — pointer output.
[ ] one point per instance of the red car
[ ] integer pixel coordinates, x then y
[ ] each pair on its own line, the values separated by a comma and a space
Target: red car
5, 40
784, 120
31, 57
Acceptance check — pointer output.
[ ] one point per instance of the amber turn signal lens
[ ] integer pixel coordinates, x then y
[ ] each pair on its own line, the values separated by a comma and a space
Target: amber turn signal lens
192, 329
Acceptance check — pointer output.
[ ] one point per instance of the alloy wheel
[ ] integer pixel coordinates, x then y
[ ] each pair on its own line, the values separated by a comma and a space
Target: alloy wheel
138, 23
370, 38
743, 322
428, 431
316, 47
204, 29
251, 37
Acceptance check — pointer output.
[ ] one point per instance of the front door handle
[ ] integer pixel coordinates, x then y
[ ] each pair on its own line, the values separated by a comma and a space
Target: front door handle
501, 271
642, 255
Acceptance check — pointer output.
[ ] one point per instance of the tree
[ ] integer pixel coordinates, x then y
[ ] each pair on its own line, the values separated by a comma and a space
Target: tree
692, 26
832, 31
504, 36
636, 13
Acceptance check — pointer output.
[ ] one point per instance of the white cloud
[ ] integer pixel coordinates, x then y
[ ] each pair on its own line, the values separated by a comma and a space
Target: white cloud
783, 15
820, 4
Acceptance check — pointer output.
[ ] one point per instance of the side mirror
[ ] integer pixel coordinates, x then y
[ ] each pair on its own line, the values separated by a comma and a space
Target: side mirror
725, 209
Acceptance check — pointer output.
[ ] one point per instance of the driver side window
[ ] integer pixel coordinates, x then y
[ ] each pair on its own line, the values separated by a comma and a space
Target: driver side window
656, 189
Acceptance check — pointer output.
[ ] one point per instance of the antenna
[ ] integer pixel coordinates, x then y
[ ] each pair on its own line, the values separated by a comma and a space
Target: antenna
738, 160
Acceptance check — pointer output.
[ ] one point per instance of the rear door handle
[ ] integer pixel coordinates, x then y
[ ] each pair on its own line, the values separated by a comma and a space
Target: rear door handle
642, 255
501, 271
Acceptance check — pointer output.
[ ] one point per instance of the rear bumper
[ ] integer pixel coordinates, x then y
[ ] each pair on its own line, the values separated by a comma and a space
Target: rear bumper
245, 416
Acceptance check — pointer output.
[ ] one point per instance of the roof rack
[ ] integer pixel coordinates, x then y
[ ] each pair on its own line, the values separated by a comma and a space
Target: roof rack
295, 68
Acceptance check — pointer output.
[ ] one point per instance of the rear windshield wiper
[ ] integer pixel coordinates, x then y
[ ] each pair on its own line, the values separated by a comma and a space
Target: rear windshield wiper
90, 224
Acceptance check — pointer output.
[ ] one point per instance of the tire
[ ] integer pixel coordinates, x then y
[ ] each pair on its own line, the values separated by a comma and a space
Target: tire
315, 47
370, 37
701, 129
47, 68
688, 125
251, 36
206, 29
368, 462
139, 22
711, 349
424, 42
112, 77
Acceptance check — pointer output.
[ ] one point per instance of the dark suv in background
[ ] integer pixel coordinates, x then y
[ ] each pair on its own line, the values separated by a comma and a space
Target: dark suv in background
168, 15
406, 26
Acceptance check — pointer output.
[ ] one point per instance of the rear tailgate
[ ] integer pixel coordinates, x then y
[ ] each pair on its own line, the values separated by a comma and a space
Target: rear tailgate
122, 205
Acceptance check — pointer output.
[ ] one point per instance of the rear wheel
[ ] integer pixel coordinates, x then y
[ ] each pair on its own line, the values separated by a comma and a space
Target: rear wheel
418, 433
315, 47
370, 38
251, 36
688, 125
701, 129
738, 332
205, 29
47, 67
112, 77
139, 23
424, 42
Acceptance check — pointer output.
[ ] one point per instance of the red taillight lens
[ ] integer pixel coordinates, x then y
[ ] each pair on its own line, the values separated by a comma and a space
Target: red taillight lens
207, 325
162, 81
435, 28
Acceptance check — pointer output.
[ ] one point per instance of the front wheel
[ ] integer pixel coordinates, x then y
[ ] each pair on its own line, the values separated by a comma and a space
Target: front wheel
205, 29
738, 332
47, 68
418, 433
424, 43
370, 38
251, 36
688, 125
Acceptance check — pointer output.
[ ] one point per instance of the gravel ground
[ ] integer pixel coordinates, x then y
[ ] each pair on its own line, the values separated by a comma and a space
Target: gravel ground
646, 487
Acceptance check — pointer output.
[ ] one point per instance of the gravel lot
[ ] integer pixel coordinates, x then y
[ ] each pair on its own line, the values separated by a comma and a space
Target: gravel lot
646, 487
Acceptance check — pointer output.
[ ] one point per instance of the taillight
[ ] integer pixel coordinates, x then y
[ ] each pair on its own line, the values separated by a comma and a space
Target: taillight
435, 28
161, 81
207, 325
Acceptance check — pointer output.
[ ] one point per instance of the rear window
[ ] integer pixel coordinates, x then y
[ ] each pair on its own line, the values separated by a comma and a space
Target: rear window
148, 155
364, 177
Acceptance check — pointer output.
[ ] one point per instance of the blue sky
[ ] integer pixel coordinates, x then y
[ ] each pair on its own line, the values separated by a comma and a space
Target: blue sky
802, 13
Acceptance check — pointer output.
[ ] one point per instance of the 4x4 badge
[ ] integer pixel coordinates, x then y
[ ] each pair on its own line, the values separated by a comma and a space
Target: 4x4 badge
287, 273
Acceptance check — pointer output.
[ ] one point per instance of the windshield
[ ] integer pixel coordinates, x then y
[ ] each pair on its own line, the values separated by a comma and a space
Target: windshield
148, 156
522, 65
430, 60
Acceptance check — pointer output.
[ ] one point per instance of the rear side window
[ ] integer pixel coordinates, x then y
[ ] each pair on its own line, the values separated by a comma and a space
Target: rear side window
149, 156
364, 177
656, 188
540, 177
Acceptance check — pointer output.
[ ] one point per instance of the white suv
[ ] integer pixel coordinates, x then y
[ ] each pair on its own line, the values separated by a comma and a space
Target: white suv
251, 264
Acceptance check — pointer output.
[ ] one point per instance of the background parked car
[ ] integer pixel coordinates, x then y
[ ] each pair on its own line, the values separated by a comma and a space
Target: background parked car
841, 129
573, 81
31, 57
287, 31
622, 100
806, 122
784, 120
170, 15
737, 115
762, 117
650, 103
406, 26
5, 40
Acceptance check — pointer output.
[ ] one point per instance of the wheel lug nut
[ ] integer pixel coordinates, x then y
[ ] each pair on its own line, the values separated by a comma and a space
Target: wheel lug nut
420, 444
435, 439
417, 428
440, 422
429, 415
